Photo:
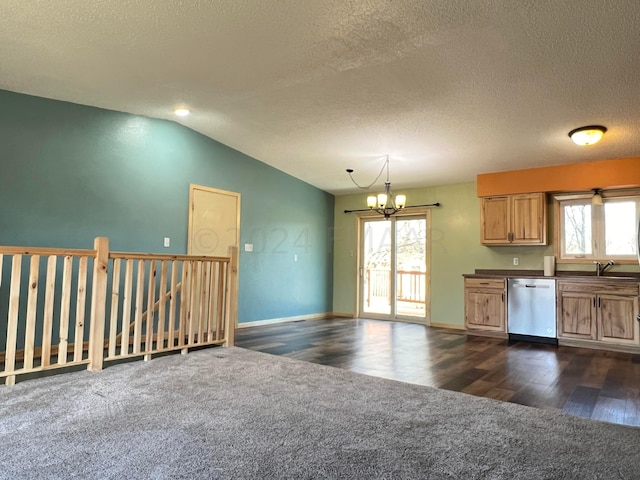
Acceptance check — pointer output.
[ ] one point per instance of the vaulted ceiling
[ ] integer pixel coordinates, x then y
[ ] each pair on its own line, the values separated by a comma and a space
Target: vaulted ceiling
447, 88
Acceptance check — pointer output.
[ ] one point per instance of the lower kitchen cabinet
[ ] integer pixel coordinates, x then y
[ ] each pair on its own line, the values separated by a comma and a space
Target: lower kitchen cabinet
617, 319
599, 312
577, 315
484, 304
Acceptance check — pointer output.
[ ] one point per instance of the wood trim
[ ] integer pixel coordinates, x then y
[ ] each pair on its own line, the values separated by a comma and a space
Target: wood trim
597, 345
10, 376
61, 252
557, 239
488, 333
231, 318
427, 281
616, 173
153, 256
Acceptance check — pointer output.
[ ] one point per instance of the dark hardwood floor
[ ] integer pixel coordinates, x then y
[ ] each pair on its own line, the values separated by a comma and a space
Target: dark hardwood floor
587, 383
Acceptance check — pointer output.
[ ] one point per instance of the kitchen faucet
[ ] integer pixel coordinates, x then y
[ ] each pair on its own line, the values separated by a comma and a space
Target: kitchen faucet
600, 268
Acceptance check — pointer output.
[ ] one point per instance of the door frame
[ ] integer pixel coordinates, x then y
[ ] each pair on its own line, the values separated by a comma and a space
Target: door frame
192, 188
359, 221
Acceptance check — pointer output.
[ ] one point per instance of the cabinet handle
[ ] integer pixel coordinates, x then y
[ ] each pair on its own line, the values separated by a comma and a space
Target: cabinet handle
503, 302
598, 302
594, 302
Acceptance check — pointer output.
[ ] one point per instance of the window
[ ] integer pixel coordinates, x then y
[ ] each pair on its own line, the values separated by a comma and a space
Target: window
598, 232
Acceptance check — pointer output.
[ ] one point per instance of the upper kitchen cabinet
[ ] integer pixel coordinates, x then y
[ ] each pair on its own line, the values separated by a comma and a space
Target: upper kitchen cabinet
514, 220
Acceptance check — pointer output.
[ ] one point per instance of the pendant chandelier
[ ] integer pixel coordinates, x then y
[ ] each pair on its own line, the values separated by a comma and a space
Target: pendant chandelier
384, 203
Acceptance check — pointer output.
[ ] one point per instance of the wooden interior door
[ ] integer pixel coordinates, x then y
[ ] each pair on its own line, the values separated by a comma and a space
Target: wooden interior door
214, 226
214, 221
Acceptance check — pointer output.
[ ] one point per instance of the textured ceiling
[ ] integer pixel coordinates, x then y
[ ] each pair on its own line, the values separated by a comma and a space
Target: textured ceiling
448, 89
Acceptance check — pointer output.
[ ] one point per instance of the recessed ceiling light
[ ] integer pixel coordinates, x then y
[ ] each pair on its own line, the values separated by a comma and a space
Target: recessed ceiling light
182, 112
587, 135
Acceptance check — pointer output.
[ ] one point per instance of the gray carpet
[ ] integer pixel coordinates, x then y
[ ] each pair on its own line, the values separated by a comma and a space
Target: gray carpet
234, 413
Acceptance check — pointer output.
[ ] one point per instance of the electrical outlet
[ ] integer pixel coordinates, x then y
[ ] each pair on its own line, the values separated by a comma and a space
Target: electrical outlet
167, 242
516, 261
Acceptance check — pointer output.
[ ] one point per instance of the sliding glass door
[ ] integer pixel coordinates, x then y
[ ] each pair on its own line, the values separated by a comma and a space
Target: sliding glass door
394, 277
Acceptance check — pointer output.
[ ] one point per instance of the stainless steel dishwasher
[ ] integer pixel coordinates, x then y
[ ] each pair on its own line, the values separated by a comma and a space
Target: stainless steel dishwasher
531, 309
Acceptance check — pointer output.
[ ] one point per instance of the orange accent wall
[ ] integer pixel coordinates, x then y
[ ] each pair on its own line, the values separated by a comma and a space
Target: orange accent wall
577, 177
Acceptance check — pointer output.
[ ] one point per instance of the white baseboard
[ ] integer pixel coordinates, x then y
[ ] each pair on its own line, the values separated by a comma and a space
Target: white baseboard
273, 321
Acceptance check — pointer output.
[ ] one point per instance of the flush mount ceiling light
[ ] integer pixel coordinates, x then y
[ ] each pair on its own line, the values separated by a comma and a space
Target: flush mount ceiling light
587, 135
182, 112
384, 203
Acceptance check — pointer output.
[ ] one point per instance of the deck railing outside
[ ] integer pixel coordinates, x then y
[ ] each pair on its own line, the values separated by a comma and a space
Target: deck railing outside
66, 307
410, 285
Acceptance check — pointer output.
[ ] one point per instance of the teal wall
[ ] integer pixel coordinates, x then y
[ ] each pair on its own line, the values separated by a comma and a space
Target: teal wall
69, 173
455, 249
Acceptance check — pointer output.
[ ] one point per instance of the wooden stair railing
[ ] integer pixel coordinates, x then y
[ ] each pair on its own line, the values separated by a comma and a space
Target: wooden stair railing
145, 314
59, 325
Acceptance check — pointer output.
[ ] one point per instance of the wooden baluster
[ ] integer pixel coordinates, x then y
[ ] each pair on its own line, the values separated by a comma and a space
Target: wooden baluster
185, 301
203, 317
65, 307
32, 306
161, 307
220, 300
81, 297
172, 304
12, 320
98, 303
115, 304
127, 296
193, 305
151, 299
137, 327
47, 322
211, 317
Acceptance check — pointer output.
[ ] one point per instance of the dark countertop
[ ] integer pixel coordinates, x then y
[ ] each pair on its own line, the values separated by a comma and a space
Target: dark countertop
566, 274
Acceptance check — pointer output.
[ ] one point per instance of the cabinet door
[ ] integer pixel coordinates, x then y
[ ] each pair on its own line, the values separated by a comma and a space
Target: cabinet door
494, 217
577, 315
617, 319
484, 309
528, 219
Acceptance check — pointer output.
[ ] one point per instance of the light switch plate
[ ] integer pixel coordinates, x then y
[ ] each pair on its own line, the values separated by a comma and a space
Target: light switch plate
167, 242
248, 247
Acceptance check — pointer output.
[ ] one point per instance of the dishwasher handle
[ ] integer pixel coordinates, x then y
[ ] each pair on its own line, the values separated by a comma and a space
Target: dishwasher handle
529, 285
